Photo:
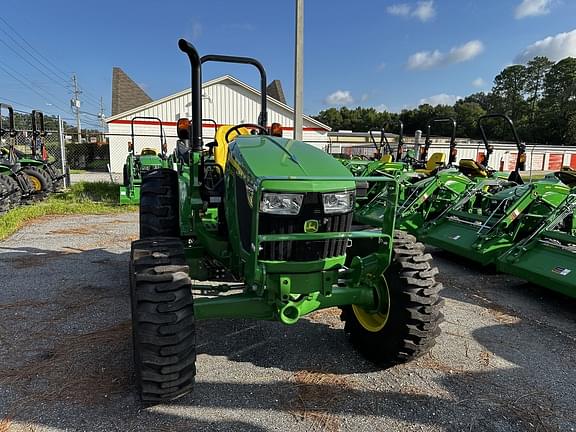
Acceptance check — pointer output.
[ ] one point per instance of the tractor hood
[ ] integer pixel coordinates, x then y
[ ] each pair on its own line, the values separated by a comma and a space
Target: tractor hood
260, 156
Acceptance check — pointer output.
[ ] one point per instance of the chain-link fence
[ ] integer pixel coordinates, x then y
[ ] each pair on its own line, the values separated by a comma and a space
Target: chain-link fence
24, 142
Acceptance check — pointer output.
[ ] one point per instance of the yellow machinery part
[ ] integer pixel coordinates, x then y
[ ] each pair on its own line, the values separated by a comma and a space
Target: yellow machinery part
387, 158
221, 149
435, 161
148, 151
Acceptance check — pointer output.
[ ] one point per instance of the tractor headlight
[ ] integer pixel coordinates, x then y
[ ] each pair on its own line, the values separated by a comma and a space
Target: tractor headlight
338, 202
281, 203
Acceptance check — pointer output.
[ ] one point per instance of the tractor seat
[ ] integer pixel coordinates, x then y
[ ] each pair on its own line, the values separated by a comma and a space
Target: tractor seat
387, 158
435, 161
471, 168
148, 151
183, 151
221, 147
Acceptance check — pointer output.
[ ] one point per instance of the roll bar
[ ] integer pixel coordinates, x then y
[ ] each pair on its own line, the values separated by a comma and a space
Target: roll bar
11, 129
520, 159
162, 135
196, 65
37, 132
428, 141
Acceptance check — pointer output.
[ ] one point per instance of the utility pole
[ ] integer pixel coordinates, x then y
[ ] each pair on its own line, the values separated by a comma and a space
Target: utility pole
298, 69
101, 113
75, 104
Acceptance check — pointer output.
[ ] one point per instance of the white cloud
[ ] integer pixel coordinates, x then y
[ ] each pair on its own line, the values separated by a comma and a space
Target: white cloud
465, 52
478, 82
532, 8
339, 97
380, 107
554, 47
400, 9
424, 10
431, 59
440, 99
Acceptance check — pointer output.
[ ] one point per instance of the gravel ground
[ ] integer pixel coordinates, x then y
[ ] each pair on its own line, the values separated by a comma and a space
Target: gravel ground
503, 363
94, 176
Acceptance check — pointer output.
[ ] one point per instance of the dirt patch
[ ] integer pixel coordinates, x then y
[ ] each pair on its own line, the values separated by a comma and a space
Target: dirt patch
80, 230
76, 369
316, 395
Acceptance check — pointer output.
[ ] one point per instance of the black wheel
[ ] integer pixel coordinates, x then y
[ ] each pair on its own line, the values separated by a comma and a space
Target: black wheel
56, 178
41, 183
125, 179
159, 204
13, 190
163, 326
4, 197
406, 323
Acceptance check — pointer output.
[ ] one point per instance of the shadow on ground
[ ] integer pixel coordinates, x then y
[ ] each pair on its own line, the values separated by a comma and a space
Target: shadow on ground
67, 364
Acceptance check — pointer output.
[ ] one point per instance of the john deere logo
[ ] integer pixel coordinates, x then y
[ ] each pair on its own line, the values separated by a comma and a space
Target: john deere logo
311, 226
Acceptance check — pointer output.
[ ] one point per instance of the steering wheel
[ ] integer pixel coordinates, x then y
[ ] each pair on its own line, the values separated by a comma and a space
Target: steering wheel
244, 125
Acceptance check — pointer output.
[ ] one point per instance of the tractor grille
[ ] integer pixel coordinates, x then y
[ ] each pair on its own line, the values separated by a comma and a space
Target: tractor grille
304, 250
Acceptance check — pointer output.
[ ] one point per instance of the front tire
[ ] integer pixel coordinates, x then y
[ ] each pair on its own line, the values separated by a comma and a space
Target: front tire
407, 326
163, 325
159, 215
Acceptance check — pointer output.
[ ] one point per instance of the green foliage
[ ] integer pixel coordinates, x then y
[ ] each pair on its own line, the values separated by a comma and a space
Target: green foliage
540, 97
81, 198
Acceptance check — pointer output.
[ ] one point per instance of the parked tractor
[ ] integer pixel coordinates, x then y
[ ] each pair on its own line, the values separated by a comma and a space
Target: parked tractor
138, 164
16, 184
431, 197
266, 229
44, 175
547, 256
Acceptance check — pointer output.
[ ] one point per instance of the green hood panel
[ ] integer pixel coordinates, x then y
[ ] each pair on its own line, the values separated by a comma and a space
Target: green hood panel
265, 156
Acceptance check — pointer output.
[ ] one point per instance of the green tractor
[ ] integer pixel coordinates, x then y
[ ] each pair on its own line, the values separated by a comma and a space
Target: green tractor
15, 183
138, 164
547, 256
266, 230
44, 175
431, 197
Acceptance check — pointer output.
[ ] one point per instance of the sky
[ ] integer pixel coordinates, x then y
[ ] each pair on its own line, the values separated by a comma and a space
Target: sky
386, 54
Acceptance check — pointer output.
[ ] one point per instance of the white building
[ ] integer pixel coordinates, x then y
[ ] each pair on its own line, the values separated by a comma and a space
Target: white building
226, 100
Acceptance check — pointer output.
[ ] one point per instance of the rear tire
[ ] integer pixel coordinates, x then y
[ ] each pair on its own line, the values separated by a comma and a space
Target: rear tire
4, 197
40, 181
14, 191
159, 215
163, 324
412, 323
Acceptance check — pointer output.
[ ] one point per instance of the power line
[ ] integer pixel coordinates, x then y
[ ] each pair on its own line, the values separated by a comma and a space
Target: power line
54, 67
33, 65
30, 87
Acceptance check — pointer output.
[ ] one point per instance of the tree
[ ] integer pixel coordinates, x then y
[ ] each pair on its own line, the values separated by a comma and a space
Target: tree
508, 91
536, 71
559, 101
467, 115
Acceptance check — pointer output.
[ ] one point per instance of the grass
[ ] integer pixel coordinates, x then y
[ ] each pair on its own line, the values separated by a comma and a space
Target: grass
81, 198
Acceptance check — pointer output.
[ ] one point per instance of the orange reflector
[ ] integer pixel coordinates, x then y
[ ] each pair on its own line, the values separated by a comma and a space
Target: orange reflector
522, 158
183, 128
276, 129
